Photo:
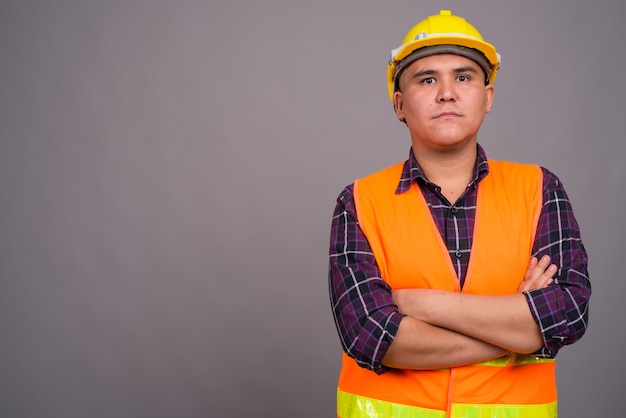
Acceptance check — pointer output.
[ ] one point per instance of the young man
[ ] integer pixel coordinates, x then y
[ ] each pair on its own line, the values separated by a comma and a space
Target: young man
454, 279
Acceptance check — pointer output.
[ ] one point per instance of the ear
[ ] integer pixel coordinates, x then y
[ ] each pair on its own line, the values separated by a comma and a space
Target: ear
398, 105
490, 91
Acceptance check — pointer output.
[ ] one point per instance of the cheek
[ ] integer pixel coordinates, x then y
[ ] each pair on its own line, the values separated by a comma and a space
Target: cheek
418, 105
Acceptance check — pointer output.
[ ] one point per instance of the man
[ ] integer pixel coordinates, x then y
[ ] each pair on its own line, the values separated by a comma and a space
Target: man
454, 279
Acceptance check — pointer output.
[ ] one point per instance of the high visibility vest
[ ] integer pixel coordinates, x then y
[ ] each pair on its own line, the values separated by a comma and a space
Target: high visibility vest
410, 253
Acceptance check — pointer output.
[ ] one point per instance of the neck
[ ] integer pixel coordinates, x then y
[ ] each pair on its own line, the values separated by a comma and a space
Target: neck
447, 165
452, 171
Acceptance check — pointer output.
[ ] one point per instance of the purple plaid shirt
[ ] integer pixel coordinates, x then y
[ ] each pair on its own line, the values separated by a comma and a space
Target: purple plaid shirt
366, 317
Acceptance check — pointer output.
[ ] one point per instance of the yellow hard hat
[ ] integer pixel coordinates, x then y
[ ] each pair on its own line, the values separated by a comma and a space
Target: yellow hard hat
442, 34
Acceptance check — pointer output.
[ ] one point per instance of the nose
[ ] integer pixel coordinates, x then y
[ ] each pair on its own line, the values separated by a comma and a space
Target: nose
447, 92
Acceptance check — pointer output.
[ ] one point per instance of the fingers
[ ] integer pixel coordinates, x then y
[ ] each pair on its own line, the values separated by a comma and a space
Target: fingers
539, 274
531, 265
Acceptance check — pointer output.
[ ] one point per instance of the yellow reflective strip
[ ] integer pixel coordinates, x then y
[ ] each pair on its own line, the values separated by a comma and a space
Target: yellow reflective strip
505, 411
353, 406
514, 360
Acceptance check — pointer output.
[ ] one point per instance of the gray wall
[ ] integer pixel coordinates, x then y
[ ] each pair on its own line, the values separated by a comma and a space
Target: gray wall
168, 172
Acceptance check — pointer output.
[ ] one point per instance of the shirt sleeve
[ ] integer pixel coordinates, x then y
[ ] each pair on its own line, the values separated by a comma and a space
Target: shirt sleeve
561, 309
365, 314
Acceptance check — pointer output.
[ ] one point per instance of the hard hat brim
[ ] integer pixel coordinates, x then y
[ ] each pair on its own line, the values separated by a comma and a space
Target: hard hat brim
486, 48
470, 53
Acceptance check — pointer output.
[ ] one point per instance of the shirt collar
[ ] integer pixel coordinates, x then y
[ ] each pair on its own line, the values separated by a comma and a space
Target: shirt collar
413, 172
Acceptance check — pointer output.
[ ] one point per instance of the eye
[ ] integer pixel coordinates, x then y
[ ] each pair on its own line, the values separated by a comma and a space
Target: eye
428, 80
463, 77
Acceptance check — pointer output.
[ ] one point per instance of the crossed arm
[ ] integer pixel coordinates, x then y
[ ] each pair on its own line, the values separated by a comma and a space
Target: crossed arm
373, 332
447, 329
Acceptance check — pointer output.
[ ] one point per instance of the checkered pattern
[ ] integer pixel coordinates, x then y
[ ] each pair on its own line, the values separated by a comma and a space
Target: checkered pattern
366, 317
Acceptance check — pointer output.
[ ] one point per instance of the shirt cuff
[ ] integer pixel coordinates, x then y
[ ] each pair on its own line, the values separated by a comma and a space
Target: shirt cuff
546, 308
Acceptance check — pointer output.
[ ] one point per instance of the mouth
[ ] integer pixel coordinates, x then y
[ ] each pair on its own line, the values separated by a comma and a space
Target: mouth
446, 115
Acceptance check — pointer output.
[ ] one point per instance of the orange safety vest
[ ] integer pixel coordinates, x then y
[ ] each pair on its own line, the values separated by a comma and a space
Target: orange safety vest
410, 252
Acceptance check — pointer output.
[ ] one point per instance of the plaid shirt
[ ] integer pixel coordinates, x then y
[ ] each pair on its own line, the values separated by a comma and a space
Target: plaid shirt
365, 314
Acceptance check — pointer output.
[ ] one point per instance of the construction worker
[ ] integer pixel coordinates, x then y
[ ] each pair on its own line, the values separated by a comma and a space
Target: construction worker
454, 279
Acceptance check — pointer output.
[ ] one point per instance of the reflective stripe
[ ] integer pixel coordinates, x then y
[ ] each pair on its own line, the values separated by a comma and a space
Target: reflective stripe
504, 411
511, 360
354, 406
514, 360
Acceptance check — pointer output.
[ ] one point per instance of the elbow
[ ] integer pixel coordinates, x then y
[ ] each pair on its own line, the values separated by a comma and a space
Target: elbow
365, 357
532, 344
567, 335
369, 343
530, 349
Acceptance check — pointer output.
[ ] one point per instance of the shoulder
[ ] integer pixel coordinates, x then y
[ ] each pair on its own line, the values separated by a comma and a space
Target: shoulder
510, 166
390, 175
391, 171
386, 179
513, 173
550, 180
346, 196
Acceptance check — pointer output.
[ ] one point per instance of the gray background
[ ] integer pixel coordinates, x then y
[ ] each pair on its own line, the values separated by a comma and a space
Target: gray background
168, 171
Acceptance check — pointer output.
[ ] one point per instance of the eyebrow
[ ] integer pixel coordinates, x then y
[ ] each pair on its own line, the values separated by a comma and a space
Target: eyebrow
428, 72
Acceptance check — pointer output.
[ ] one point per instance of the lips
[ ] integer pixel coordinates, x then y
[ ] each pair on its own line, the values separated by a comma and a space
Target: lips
446, 114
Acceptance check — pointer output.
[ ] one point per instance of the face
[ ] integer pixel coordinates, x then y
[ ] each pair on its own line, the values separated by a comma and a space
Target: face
443, 99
